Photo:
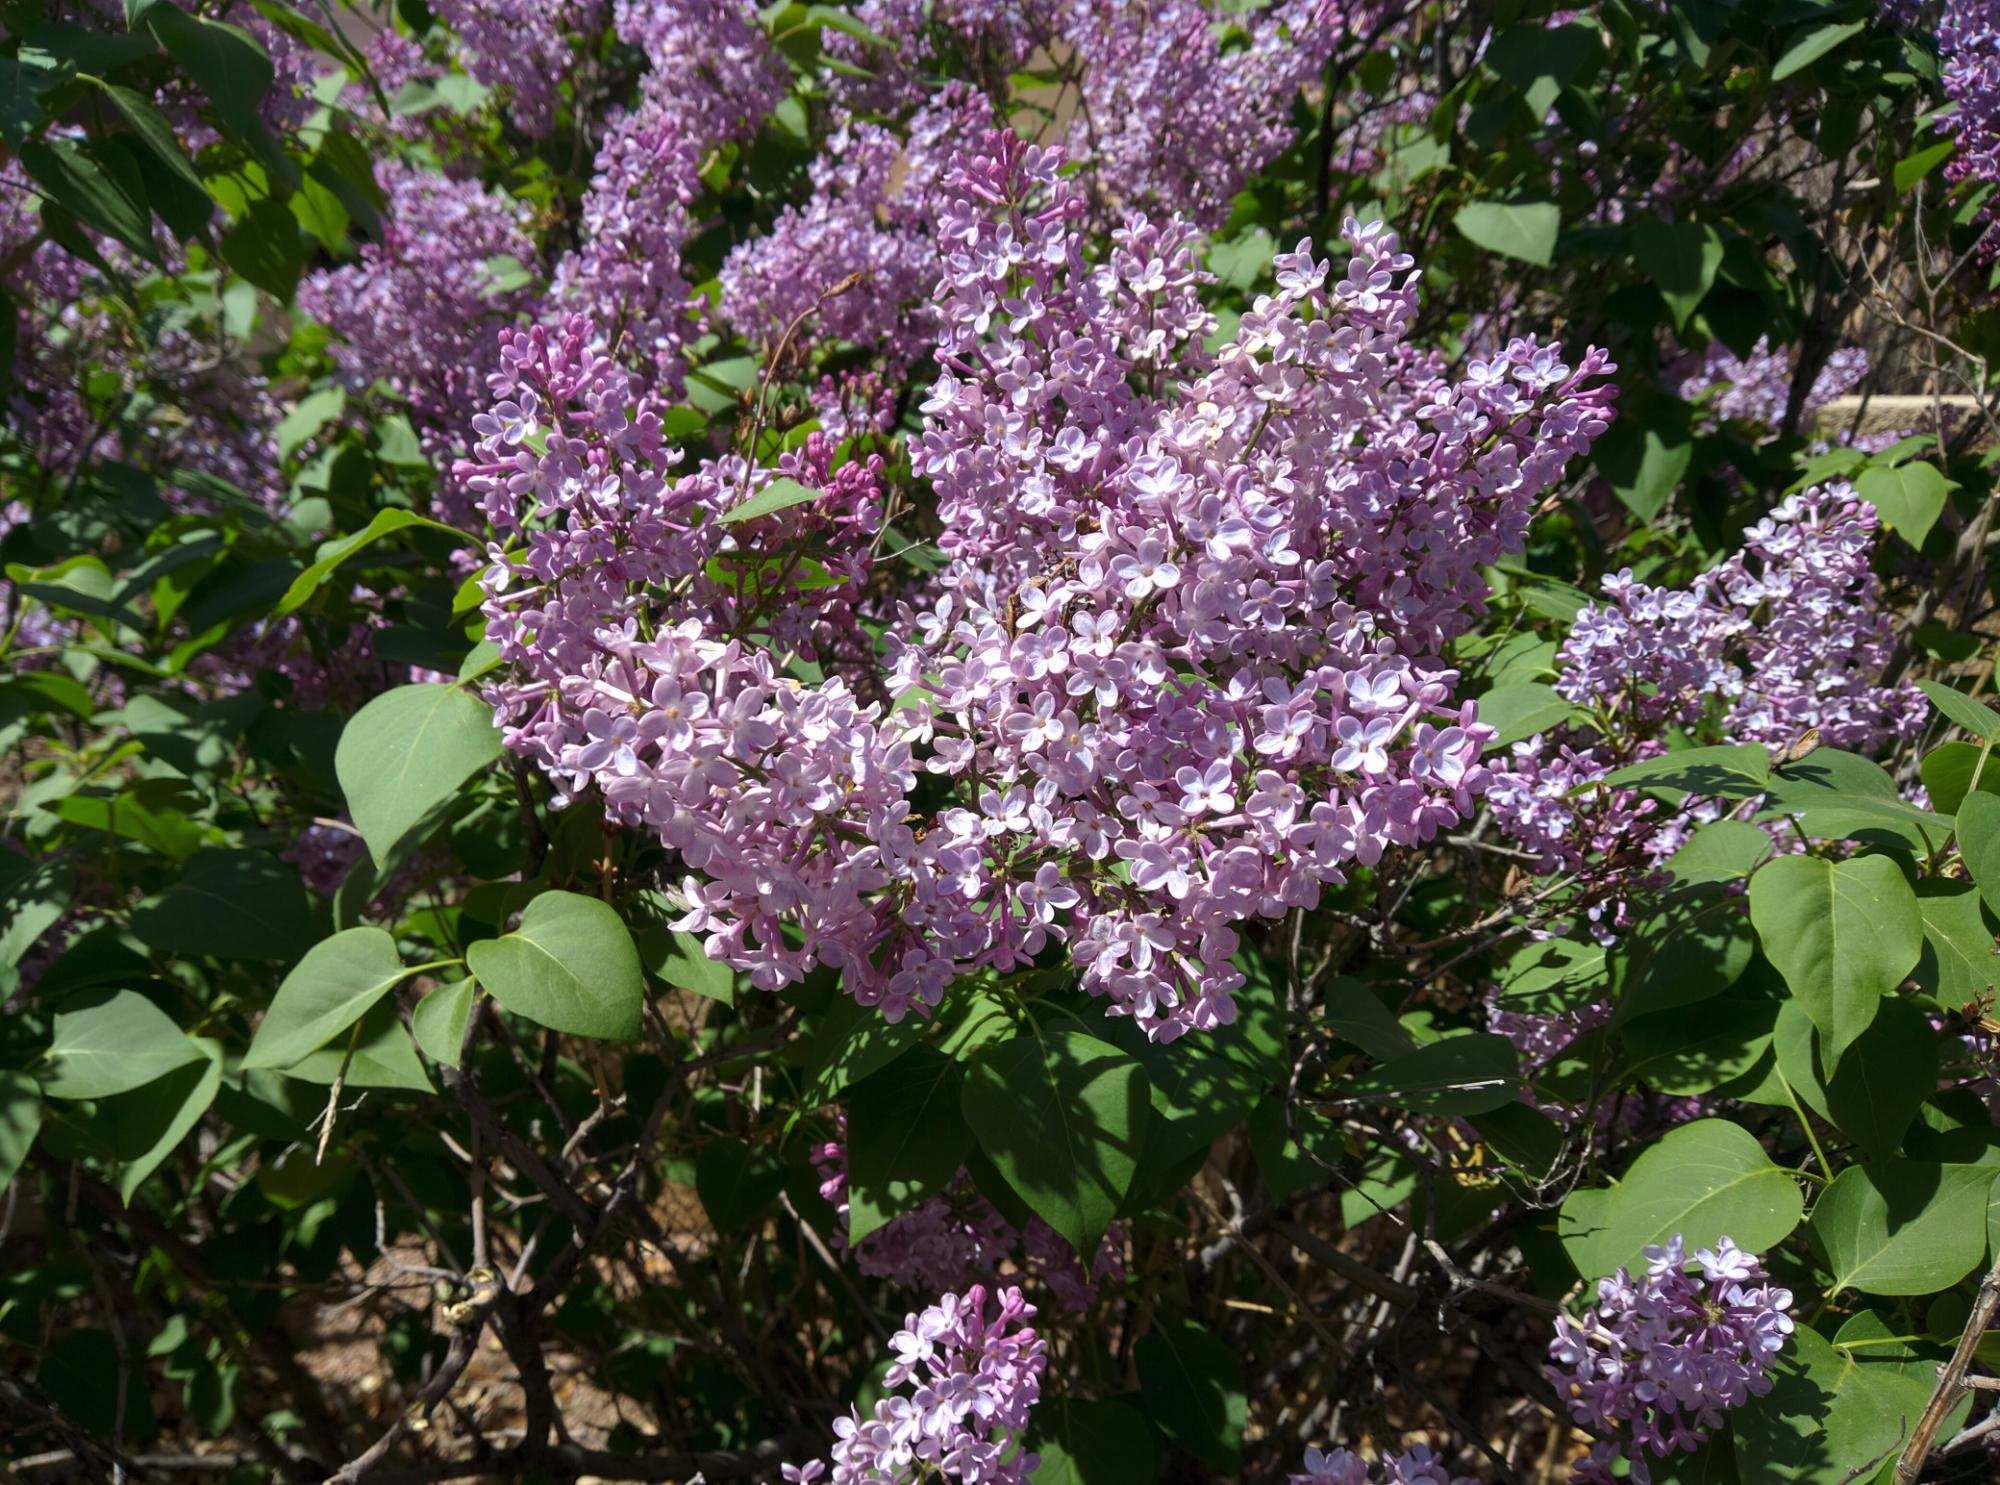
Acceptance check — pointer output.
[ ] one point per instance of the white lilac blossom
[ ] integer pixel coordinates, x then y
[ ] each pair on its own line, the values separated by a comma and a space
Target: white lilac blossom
1181, 669
961, 1391
1654, 1365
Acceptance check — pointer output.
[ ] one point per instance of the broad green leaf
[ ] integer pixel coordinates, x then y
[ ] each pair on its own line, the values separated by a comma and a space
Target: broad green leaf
408, 752
1241, 261
233, 904
20, 1121
154, 132
848, 1042
1558, 969
778, 495
1810, 43
1201, 1089
112, 1041
311, 413
736, 1183
1355, 1013
570, 966
1909, 497
1061, 1115
1903, 1227
1683, 1054
1702, 1180
1950, 770
683, 961
33, 897
95, 188
328, 991
906, 1137
1842, 933
1979, 843
439, 1020
1720, 851
1644, 463
1832, 1417
1697, 947
263, 246
383, 1056
1681, 259
225, 62
1469, 1074
1884, 1079
1914, 167
333, 553
1725, 771
1526, 230
1193, 1388
1973, 715
146, 1125
1521, 710
1091, 1443
1957, 965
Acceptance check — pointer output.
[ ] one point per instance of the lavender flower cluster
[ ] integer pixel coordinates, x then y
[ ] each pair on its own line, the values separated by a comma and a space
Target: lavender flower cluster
1181, 669
963, 1386
1969, 47
1789, 634
1655, 1363
1415, 1466
956, 1238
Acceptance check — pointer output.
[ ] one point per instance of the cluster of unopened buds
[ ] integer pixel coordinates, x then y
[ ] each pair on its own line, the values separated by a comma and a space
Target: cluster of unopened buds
1654, 1365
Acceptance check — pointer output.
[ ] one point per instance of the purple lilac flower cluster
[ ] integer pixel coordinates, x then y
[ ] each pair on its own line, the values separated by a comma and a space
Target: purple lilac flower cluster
522, 47
1181, 669
420, 308
874, 194
1177, 103
1969, 44
626, 272
1416, 1466
1655, 1363
961, 1391
956, 1238
1789, 634
711, 70
1756, 388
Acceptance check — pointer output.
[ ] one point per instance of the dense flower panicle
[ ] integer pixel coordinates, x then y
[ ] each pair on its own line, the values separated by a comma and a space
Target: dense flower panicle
1757, 388
1654, 1365
1790, 632
1416, 1466
712, 71
1788, 635
1179, 102
1969, 47
957, 1238
1185, 652
960, 1394
626, 272
420, 308
1181, 669
873, 197
522, 47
